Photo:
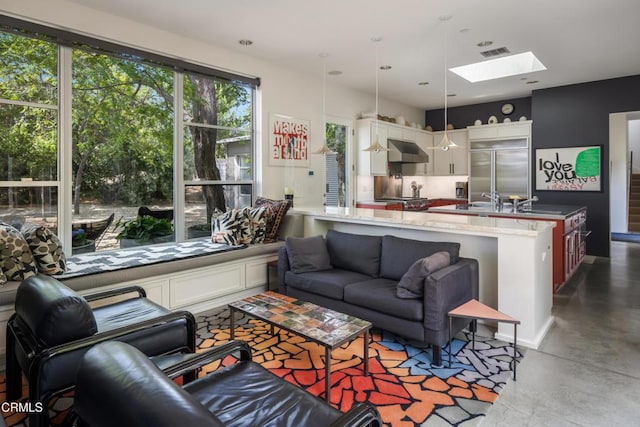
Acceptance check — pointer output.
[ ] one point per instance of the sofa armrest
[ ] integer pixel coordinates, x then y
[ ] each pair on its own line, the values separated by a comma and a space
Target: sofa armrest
448, 288
283, 266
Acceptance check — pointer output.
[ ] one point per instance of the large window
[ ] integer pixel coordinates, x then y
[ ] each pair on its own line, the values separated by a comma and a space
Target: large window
122, 140
88, 149
218, 152
28, 130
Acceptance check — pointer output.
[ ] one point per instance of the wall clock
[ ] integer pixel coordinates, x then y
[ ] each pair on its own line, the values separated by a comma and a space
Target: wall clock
507, 109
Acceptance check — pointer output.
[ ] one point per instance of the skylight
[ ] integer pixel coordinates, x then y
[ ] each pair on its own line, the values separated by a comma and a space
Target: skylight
506, 66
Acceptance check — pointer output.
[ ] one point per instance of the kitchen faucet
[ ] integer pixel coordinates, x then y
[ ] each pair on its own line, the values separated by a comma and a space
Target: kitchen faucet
496, 200
415, 189
524, 204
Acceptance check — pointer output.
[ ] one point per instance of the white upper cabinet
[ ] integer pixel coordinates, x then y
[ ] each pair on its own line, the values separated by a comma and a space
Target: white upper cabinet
454, 161
370, 162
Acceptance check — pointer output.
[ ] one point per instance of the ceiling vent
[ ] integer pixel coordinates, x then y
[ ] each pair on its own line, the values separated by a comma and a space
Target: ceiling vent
495, 52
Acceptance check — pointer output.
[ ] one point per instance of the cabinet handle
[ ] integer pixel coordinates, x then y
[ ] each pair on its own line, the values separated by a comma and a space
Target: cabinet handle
453, 168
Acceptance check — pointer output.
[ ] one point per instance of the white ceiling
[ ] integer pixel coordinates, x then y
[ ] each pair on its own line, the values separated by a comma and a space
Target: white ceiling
577, 40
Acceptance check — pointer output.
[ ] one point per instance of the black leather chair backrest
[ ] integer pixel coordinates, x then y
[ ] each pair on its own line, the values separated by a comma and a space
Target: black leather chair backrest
54, 313
118, 386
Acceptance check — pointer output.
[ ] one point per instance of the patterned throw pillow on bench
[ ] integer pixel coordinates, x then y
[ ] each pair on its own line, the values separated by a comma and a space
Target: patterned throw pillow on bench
16, 260
46, 249
239, 226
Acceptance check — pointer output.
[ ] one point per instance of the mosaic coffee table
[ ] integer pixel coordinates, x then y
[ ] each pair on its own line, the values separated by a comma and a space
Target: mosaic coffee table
321, 325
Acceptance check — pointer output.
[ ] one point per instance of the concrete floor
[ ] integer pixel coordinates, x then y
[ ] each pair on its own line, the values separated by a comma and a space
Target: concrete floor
587, 370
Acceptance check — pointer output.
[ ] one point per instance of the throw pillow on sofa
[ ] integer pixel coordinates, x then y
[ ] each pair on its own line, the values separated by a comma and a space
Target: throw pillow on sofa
16, 261
46, 249
398, 254
411, 285
307, 254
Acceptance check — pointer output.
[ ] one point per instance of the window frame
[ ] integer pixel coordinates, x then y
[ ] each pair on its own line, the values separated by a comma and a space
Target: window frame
67, 41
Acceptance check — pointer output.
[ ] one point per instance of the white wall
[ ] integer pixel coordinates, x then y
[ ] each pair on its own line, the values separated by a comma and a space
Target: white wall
634, 143
282, 91
618, 172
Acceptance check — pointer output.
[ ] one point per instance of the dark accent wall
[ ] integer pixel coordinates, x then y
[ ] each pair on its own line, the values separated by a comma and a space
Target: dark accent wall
578, 115
466, 115
566, 116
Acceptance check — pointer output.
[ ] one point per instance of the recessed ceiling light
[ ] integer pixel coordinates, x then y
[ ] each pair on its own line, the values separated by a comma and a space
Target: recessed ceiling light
505, 66
451, 95
485, 43
245, 42
385, 67
334, 72
423, 83
532, 82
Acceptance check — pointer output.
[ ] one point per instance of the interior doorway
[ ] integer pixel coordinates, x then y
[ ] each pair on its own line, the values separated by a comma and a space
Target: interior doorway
624, 158
338, 180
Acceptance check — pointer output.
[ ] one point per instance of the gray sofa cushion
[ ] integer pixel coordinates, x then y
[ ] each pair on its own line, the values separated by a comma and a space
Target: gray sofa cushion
307, 254
329, 283
399, 254
380, 295
355, 252
412, 283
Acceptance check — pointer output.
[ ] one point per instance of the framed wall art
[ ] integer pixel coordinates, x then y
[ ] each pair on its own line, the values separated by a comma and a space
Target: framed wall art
569, 169
288, 141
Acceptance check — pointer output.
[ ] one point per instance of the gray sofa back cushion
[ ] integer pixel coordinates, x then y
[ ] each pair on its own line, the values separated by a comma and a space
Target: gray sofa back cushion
355, 252
307, 254
399, 254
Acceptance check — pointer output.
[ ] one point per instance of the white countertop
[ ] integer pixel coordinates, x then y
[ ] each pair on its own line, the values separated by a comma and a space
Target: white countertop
432, 221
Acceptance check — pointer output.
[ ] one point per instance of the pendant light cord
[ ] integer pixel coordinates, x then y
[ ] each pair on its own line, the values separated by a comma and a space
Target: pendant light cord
377, 118
445, 78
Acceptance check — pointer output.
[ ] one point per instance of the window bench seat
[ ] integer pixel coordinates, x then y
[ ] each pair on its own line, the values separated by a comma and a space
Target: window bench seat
196, 275
99, 269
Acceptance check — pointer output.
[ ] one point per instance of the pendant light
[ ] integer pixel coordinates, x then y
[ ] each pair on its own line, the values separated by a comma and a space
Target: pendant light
446, 142
324, 150
376, 147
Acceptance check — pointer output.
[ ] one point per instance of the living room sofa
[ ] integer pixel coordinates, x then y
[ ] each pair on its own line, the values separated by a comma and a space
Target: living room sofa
362, 280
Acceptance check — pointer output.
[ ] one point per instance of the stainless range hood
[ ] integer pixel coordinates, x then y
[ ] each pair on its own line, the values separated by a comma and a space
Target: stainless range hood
406, 152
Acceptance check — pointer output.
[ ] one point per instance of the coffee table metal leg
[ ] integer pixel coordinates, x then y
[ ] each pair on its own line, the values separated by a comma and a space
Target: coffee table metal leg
515, 348
232, 331
366, 352
327, 373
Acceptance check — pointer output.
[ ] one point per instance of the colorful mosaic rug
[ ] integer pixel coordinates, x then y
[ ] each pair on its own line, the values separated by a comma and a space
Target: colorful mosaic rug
407, 390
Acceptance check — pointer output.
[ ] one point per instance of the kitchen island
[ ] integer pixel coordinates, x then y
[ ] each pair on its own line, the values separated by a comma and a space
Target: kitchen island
569, 246
514, 255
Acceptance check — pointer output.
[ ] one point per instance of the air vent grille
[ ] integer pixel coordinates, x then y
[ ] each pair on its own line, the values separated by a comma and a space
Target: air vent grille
495, 52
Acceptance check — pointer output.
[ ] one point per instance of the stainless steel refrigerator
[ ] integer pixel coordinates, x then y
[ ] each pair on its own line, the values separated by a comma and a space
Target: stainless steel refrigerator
502, 166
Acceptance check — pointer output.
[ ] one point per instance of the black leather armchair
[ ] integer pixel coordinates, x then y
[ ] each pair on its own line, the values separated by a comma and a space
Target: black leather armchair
117, 386
53, 327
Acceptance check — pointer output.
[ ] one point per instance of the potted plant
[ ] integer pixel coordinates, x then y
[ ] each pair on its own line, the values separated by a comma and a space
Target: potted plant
199, 230
80, 244
144, 230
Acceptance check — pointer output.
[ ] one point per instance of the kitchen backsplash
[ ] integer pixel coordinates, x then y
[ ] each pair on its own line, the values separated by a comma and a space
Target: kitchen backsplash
433, 187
